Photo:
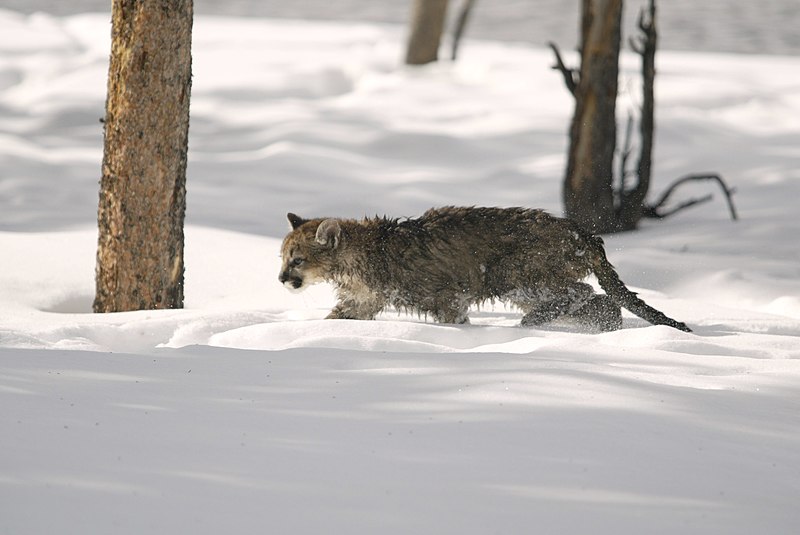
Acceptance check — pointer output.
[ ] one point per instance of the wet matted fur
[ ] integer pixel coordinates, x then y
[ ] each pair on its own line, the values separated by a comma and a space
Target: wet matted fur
451, 258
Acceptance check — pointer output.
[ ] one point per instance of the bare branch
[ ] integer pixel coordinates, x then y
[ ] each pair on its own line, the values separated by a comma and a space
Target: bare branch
651, 213
637, 45
654, 210
626, 152
640, 22
568, 74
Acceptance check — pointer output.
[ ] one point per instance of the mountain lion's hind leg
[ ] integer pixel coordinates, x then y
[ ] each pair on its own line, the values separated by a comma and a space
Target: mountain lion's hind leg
544, 305
451, 310
601, 312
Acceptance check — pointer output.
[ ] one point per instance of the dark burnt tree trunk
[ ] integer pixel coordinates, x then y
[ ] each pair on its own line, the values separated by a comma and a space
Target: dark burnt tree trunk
143, 187
589, 194
588, 189
631, 200
427, 24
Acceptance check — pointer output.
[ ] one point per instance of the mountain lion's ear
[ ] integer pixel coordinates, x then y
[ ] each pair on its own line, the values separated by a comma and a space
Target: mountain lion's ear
328, 233
295, 220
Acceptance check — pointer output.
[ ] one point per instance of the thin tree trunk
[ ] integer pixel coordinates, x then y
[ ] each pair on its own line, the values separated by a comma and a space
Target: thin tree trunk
143, 187
461, 24
427, 25
588, 193
632, 201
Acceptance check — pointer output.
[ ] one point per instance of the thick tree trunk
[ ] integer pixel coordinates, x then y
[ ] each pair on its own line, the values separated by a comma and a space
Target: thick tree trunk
427, 25
588, 190
143, 187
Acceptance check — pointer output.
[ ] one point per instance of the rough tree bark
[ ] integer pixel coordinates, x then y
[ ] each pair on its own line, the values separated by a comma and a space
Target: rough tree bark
588, 190
143, 186
427, 24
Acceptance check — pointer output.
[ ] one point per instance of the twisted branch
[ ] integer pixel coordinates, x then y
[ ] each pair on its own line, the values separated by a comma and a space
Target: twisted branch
654, 210
570, 75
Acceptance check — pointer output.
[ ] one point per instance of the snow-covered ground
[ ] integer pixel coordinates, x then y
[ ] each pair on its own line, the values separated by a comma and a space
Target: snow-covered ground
245, 412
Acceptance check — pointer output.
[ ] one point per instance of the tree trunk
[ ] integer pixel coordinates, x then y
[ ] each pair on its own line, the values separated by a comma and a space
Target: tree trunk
588, 189
461, 24
143, 187
427, 25
631, 206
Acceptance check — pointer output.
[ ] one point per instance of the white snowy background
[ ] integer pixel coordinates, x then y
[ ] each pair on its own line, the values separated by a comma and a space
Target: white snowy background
247, 413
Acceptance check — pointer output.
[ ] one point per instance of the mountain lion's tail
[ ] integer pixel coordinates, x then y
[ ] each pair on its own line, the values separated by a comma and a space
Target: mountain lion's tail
616, 289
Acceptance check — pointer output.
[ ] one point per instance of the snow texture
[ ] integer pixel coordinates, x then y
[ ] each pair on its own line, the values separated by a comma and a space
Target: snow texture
247, 413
